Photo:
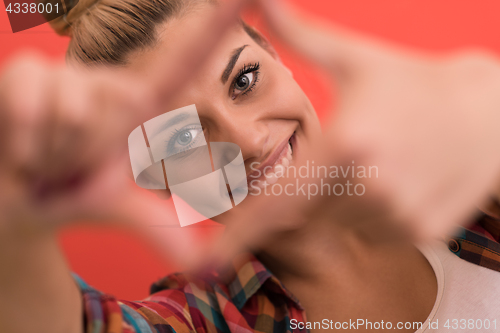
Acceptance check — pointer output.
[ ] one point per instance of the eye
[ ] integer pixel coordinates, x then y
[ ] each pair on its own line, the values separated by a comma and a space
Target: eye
183, 139
245, 80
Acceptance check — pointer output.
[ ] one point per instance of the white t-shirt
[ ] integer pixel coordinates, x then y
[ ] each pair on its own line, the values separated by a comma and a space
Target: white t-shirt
468, 298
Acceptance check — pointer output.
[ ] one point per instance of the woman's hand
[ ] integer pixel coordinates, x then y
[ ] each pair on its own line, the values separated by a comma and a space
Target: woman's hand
428, 123
64, 159
64, 138
63, 148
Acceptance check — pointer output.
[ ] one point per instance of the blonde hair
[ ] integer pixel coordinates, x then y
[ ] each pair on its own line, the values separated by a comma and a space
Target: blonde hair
107, 31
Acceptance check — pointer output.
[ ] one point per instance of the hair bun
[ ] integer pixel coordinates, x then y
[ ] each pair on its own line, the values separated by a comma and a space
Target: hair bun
74, 10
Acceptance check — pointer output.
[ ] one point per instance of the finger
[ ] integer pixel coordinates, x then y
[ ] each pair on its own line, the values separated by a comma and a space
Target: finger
110, 198
251, 224
95, 114
22, 118
456, 206
157, 222
258, 219
344, 53
116, 95
62, 141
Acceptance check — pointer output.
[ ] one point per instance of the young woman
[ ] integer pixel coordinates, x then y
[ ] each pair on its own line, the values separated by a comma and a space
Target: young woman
324, 274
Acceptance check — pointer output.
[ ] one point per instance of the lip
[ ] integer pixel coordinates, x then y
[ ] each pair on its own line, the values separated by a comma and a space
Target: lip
278, 152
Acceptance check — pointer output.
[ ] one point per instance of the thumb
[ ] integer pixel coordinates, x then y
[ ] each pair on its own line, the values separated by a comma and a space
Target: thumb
112, 198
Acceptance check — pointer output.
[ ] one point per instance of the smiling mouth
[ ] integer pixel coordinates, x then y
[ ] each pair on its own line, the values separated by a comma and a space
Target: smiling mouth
271, 173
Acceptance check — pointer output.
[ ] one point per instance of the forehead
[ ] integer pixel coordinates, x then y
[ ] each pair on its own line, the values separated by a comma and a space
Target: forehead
173, 35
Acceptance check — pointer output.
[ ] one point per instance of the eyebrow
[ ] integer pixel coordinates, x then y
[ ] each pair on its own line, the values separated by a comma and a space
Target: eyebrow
232, 62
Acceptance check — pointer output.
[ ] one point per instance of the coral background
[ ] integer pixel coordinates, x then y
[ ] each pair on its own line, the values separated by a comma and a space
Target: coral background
119, 263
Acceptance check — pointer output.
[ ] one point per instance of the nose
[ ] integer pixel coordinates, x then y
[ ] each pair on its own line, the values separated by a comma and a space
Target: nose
249, 132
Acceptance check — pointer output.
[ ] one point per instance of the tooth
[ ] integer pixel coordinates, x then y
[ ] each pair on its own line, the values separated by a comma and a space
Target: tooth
279, 170
271, 178
285, 162
289, 152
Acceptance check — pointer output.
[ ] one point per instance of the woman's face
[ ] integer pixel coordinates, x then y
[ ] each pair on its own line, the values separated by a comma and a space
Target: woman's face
244, 95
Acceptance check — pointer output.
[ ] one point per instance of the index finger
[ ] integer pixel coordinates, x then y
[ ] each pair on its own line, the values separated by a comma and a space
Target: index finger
342, 52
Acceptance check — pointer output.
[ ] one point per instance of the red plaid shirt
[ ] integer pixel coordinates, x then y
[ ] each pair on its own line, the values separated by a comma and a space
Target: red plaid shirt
253, 301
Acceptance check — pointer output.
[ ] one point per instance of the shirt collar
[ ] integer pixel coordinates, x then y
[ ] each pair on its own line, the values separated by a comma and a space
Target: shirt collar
248, 276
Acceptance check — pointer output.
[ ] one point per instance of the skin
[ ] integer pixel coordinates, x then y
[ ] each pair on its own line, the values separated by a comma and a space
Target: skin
387, 96
326, 275
56, 169
257, 121
47, 139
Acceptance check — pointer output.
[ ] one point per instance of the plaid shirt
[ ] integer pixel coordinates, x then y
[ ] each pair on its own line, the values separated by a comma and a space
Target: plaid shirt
480, 244
253, 301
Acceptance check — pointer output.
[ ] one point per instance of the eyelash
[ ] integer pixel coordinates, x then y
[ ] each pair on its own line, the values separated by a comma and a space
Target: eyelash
250, 68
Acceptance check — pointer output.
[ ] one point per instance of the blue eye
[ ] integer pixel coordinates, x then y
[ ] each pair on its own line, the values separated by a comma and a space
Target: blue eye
183, 139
